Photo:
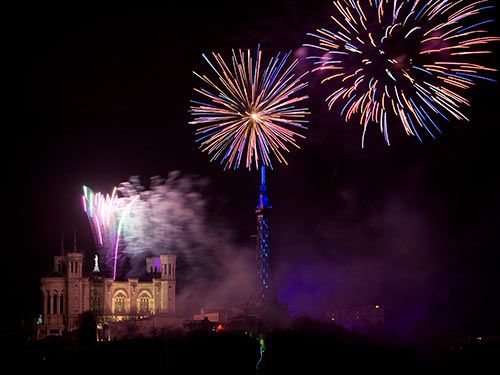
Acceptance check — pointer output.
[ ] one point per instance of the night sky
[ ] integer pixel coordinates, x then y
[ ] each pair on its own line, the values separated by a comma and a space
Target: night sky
102, 93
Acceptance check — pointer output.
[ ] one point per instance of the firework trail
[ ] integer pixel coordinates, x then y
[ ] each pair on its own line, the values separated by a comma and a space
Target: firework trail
406, 61
249, 111
106, 214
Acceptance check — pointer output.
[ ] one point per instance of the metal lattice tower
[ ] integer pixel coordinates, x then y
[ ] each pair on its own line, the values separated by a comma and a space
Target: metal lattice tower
265, 292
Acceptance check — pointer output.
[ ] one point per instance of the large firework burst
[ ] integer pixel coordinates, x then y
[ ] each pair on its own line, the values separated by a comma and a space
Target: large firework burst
403, 59
248, 110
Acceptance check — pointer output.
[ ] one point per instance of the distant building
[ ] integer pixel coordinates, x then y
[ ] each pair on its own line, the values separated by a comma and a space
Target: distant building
67, 292
203, 325
362, 318
240, 318
219, 314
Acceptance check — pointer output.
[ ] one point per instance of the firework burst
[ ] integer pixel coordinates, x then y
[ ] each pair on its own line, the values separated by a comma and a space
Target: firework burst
106, 214
406, 61
249, 112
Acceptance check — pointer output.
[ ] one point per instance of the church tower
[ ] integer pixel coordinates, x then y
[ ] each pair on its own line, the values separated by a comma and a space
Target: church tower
77, 287
53, 288
167, 303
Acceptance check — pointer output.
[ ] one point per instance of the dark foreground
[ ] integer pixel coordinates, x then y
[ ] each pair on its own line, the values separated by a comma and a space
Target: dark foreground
308, 347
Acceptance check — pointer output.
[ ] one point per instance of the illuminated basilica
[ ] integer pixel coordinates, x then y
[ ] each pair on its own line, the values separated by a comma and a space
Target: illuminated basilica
67, 293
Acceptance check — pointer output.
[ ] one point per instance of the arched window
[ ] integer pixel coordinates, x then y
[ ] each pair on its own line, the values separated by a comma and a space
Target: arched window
144, 304
61, 305
48, 304
119, 302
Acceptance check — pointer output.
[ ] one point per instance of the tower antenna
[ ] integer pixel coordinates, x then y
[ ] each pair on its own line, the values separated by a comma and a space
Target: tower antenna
265, 291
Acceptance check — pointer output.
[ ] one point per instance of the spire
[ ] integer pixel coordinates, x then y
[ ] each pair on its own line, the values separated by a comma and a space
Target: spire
263, 202
62, 243
74, 238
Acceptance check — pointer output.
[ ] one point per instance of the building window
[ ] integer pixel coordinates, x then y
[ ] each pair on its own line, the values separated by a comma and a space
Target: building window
61, 305
54, 304
169, 269
144, 305
120, 304
96, 304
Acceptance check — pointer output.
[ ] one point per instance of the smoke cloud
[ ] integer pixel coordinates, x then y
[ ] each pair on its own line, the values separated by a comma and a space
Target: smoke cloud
173, 216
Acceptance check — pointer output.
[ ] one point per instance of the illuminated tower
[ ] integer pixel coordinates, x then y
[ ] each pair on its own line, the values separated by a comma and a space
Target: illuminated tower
77, 286
167, 300
264, 293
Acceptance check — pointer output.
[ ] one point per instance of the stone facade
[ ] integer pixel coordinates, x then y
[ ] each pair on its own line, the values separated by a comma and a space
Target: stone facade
67, 293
